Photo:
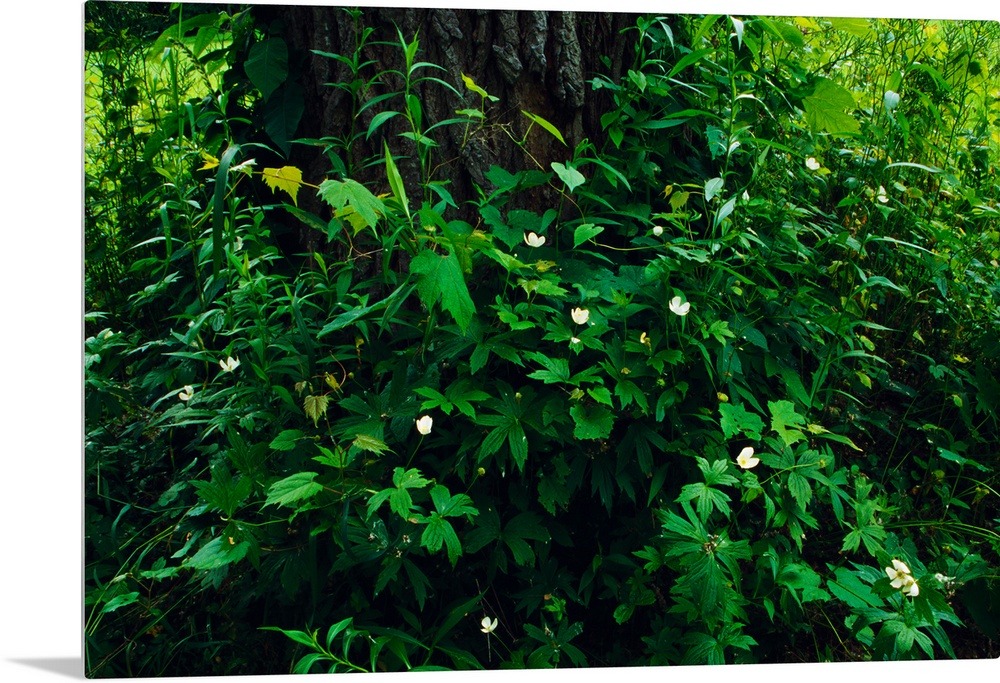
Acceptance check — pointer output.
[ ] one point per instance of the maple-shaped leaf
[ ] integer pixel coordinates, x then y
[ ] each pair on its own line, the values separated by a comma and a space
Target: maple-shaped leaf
828, 109
340, 194
315, 407
288, 179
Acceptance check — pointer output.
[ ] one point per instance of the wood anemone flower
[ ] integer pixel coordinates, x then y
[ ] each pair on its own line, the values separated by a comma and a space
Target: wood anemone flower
533, 240
745, 459
186, 393
424, 424
679, 307
489, 626
580, 315
901, 578
229, 364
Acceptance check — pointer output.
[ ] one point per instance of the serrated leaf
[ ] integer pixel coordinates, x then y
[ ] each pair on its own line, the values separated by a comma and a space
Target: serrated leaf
440, 531
292, 489
288, 179
315, 407
800, 489
738, 420
784, 419
827, 109
367, 442
440, 277
350, 193
591, 422
848, 587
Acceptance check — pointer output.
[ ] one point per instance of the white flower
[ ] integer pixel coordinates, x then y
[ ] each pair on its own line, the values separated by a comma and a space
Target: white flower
812, 164
644, 339
900, 577
229, 364
424, 424
891, 99
239, 243
746, 196
533, 240
679, 308
186, 393
657, 230
580, 315
489, 626
881, 195
745, 459
574, 340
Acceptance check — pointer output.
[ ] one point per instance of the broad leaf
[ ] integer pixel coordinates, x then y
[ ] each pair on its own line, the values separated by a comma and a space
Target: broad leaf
289, 490
288, 179
827, 109
440, 278
267, 65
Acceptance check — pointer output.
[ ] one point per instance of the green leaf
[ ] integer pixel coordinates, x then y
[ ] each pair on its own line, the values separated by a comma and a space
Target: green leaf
800, 489
285, 441
120, 601
784, 419
591, 422
712, 188
826, 109
219, 207
855, 26
585, 232
341, 194
282, 114
737, 420
848, 587
288, 179
267, 65
440, 531
546, 125
440, 277
366, 442
292, 489
218, 553
315, 407
396, 180
569, 175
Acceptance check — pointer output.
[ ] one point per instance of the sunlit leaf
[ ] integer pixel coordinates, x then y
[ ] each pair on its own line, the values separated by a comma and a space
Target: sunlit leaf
288, 179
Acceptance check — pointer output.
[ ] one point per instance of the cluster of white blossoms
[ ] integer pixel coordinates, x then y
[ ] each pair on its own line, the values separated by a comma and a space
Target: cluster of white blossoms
902, 579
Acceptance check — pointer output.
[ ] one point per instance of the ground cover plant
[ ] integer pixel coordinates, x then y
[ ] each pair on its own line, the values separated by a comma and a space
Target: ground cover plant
706, 374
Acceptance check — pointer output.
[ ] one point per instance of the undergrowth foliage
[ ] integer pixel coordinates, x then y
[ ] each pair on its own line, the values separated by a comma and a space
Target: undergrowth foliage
734, 398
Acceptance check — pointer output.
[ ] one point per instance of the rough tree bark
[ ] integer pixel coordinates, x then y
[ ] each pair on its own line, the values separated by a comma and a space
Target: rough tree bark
536, 61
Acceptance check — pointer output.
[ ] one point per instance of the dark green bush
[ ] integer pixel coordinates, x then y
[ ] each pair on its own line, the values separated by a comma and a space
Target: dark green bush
689, 413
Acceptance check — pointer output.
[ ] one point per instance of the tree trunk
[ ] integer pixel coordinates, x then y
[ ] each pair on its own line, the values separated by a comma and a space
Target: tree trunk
534, 61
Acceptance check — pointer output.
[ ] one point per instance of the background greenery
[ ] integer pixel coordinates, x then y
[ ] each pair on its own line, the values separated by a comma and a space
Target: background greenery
784, 236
